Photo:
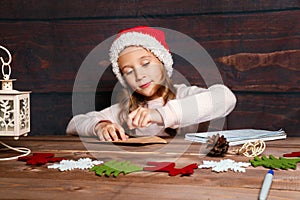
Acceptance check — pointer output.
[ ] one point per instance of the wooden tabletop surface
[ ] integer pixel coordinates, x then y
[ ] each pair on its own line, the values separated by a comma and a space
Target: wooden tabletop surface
21, 181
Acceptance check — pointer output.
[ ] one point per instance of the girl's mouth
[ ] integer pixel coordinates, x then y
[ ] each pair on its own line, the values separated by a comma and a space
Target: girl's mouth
145, 85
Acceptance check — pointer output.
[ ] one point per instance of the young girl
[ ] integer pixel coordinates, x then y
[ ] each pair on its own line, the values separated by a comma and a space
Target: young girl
152, 105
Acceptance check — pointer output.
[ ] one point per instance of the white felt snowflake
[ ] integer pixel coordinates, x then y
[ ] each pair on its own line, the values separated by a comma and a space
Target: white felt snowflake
82, 163
224, 165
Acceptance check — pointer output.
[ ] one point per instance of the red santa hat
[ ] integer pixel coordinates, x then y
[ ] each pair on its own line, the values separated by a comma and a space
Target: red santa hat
149, 38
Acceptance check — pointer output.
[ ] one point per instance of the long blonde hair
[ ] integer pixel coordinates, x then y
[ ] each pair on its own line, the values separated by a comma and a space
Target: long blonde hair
131, 100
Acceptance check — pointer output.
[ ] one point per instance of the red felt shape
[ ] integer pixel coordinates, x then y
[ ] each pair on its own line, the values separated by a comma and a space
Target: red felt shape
293, 154
40, 158
170, 167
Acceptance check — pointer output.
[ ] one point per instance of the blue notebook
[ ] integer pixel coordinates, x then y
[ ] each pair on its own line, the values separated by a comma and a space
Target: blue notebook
239, 136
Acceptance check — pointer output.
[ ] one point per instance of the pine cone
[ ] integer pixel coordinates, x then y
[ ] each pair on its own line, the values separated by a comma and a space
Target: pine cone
217, 145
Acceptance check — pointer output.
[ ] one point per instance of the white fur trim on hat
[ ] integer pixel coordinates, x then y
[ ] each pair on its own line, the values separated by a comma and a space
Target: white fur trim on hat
139, 39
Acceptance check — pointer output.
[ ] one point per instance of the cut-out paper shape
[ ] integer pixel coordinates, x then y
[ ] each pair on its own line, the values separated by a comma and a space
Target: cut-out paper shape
82, 163
275, 163
115, 168
293, 154
40, 158
170, 168
143, 140
225, 165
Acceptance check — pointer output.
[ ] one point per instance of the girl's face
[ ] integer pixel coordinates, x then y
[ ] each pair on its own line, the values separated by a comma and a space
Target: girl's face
142, 71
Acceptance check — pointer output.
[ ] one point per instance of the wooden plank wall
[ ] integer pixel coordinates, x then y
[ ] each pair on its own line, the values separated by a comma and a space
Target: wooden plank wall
254, 43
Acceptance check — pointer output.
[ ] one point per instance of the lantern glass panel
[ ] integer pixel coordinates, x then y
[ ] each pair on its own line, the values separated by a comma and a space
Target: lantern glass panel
24, 113
7, 115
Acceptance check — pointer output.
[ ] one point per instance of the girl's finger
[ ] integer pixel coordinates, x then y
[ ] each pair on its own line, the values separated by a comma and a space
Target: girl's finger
131, 117
106, 135
146, 122
138, 117
100, 136
129, 123
121, 132
112, 133
133, 113
144, 119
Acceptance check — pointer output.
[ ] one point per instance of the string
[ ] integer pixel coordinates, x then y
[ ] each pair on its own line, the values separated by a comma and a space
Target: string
23, 150
252, 149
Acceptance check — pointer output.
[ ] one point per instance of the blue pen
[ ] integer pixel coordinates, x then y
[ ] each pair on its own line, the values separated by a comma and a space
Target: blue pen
264, 191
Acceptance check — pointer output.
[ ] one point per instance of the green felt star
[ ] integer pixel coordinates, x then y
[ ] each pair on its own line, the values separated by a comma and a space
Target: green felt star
275, 163
115, 168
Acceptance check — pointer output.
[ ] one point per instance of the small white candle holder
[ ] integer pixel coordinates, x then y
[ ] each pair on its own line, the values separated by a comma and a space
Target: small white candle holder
14, 104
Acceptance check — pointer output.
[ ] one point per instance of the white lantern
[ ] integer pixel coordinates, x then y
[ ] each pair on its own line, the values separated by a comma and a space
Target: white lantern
14, 104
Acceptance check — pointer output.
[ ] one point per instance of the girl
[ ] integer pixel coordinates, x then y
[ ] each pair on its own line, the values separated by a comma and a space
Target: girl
152, 105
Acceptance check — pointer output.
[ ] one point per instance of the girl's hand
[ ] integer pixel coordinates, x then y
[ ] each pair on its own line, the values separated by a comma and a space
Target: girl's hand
143, 117
107, 131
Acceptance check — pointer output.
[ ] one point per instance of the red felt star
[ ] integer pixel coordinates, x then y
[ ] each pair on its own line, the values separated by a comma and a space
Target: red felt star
40, 158
170, 167
293, 154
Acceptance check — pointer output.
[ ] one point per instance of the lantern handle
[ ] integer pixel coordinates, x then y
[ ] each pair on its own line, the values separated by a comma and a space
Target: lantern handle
6, 64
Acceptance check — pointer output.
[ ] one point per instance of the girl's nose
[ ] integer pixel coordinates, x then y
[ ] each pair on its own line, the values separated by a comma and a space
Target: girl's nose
139, 73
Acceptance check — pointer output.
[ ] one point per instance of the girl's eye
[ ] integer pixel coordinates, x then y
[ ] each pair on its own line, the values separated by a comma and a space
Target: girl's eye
128, 71
145, 64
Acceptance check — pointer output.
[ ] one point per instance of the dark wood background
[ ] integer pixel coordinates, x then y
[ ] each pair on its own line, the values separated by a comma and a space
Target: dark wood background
254, 43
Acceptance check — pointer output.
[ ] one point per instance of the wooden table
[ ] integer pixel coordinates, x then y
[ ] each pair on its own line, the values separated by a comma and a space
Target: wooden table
21, 181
